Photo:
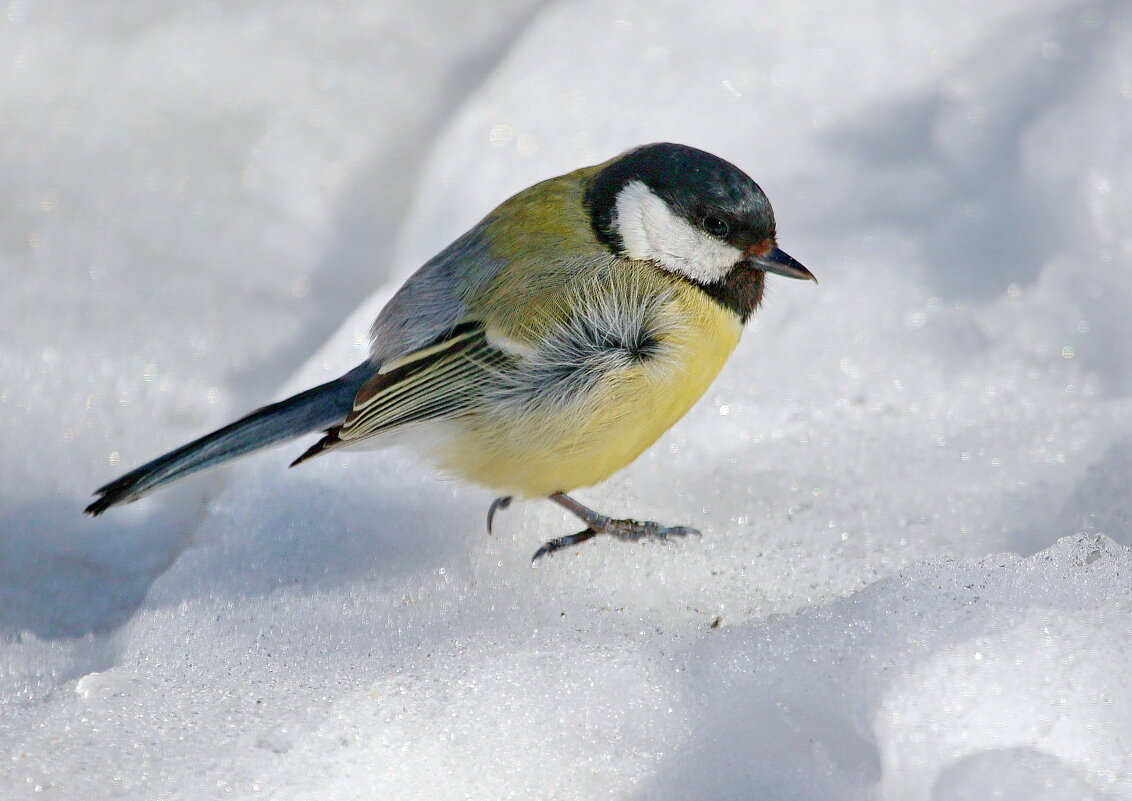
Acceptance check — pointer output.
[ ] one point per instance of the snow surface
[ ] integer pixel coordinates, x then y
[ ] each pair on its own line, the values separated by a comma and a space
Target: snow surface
915, 578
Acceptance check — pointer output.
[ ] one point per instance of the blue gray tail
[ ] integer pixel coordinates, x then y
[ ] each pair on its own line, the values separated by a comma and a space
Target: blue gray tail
316, 409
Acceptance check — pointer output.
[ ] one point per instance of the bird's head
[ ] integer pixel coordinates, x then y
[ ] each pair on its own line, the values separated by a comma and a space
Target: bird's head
694, 215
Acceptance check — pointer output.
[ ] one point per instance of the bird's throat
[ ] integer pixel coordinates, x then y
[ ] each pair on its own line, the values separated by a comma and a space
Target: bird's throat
740, 291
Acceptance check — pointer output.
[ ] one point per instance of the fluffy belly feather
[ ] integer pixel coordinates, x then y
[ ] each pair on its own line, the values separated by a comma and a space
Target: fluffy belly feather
557, 446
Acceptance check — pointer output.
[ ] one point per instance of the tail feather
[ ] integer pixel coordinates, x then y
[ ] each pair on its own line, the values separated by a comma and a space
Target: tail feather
326, 443
316, 409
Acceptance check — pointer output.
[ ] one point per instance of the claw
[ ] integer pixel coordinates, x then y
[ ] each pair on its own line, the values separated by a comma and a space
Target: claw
563, 542
496, 505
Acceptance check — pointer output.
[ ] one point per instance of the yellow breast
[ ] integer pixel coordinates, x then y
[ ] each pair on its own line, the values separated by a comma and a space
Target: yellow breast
559, 446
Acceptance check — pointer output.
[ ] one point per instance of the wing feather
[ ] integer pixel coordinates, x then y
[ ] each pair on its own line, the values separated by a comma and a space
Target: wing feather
442, 380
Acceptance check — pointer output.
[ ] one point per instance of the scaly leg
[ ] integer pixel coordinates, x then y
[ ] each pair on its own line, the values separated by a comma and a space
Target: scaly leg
625, 530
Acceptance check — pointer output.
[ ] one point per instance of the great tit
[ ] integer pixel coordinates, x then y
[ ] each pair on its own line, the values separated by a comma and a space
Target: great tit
548, 346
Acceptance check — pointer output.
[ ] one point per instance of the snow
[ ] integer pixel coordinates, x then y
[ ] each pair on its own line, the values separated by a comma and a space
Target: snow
915, 574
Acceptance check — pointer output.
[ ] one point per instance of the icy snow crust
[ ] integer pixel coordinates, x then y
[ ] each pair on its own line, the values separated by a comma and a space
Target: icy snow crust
915, 579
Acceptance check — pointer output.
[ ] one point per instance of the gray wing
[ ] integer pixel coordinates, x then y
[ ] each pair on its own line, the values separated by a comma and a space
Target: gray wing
462, 372
435, 298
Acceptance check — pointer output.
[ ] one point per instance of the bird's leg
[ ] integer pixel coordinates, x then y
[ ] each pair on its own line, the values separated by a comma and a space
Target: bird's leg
496, 505
625, 530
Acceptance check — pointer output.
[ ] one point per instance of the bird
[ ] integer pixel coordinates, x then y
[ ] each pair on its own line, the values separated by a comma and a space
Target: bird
548, 346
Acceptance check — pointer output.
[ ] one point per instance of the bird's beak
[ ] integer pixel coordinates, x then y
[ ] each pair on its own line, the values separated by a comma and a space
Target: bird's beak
779, 262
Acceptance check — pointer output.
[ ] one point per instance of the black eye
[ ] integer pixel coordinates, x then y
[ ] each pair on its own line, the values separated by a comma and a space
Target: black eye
716, 227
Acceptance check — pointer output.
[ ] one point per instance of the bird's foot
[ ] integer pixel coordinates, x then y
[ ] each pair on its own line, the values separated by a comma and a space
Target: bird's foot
624, 530
559, 543
634, 530
497, 505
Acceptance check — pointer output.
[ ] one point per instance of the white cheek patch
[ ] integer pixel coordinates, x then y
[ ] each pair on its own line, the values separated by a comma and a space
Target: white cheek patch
651, 231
